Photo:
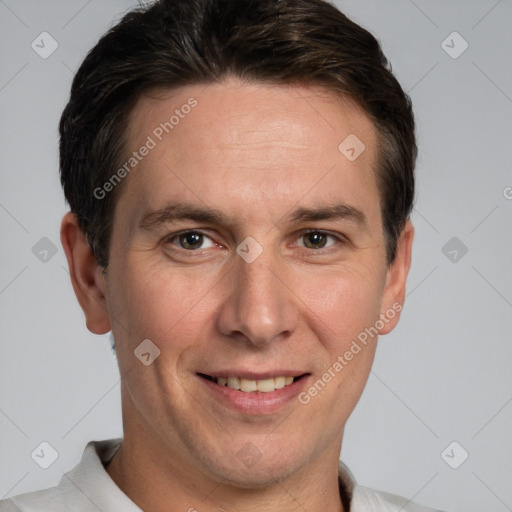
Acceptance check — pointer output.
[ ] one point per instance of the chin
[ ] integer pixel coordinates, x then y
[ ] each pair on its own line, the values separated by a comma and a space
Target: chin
248, 468
258, 477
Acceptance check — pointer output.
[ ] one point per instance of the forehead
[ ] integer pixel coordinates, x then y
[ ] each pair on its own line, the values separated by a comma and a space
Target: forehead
235, 144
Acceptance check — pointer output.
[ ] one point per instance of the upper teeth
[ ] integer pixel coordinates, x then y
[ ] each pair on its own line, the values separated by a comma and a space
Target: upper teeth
247, 385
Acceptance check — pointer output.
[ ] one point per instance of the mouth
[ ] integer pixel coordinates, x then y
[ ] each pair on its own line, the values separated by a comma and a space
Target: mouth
247, 385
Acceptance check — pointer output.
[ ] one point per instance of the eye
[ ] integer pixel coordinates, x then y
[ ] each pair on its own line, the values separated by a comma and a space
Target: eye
316, 240
191, 241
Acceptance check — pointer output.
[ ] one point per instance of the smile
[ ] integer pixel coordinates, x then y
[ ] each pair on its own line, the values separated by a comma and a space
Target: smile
255, 393
250, 385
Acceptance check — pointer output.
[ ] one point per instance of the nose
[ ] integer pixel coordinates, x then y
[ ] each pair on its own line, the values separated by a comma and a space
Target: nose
261, 307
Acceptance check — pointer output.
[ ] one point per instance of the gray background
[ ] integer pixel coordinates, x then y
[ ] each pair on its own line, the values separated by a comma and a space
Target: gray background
443, 375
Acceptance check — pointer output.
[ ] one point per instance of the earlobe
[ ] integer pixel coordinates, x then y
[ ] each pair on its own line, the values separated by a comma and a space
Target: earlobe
86, 275
396, 277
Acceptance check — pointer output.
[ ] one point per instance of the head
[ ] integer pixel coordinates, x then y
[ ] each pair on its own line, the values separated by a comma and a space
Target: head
215, 211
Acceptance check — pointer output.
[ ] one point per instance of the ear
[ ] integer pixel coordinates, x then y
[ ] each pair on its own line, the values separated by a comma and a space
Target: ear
396, 276
86, 275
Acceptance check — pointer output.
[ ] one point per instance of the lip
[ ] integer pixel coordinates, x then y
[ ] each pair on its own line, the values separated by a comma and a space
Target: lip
257, 404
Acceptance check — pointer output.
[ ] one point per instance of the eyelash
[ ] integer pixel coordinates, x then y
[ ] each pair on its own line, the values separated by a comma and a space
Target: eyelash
339, 239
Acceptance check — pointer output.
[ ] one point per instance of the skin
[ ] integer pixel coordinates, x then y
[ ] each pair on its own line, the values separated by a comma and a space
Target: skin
255, 153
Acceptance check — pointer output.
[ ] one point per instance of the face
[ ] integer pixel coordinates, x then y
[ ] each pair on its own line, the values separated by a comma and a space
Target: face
249, 249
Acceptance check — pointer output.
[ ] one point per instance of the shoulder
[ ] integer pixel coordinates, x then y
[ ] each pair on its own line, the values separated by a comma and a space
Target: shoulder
87, 487
54, 499
61, 498
8, 506
365, 499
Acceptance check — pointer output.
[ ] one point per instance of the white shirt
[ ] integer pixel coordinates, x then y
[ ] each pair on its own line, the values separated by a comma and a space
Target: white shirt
89, 488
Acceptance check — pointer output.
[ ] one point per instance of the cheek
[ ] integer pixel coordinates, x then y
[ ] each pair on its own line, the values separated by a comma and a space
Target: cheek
342, 304
158, 304
341, 307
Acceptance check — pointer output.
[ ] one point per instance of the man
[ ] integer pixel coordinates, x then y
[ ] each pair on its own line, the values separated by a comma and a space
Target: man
240, 177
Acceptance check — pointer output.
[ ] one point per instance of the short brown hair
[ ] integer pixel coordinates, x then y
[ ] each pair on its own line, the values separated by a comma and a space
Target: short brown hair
173, 43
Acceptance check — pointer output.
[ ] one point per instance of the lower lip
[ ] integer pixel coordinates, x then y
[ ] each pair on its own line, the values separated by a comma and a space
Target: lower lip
257, 403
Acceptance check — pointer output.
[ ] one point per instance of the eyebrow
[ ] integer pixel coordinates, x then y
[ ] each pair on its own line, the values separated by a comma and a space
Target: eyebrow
182, 211
330, 212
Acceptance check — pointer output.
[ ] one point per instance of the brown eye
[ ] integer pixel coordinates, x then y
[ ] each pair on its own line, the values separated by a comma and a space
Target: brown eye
315, 240
191, 241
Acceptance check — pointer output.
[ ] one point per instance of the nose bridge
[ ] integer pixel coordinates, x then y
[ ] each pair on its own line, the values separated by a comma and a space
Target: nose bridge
260, 308
256, 284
